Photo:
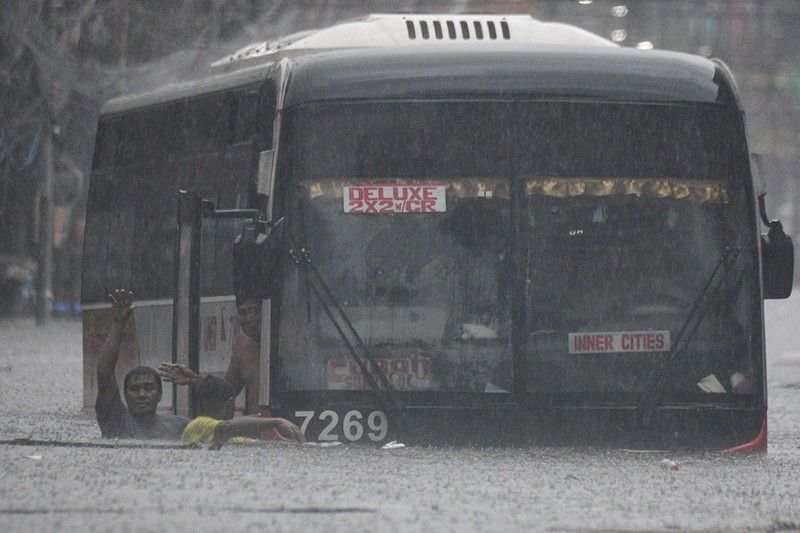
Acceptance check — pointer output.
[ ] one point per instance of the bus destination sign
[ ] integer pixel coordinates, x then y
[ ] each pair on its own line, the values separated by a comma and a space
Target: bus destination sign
377, 198
619, 342
404, 373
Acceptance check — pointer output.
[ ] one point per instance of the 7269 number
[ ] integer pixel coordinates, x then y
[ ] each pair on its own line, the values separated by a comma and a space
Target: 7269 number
353, 426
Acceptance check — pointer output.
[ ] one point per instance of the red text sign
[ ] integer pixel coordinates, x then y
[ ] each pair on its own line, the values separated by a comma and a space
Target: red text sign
404, 373
619, 342
394, 198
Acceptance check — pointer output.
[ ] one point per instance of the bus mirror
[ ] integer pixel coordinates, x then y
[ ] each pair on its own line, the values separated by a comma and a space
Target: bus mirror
255, 259
777, 256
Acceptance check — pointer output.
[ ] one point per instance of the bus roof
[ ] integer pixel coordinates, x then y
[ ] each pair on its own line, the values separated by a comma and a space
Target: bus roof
510, 70
376, 57
389, 30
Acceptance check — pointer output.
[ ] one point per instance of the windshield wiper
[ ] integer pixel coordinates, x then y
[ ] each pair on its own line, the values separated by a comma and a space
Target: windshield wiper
384, 393
652, 393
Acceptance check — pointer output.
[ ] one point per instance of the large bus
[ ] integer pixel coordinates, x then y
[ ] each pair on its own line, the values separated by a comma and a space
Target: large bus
471, 229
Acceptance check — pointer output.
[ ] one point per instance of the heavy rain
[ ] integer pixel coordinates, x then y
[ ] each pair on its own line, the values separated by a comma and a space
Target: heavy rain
399, 266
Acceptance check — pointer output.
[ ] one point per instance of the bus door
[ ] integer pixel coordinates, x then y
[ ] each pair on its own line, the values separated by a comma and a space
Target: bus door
215, 249
205, 328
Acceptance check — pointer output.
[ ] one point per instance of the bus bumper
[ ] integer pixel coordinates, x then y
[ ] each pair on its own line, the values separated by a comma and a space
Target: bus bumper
711, 428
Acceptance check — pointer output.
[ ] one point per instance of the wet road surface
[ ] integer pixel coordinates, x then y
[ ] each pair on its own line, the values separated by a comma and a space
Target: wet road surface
356, 488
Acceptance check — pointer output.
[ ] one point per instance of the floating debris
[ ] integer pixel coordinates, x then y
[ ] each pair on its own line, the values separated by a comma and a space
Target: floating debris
669, 464
323, 444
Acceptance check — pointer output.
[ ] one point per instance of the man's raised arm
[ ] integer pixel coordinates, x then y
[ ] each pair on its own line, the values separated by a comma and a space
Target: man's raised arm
107, 387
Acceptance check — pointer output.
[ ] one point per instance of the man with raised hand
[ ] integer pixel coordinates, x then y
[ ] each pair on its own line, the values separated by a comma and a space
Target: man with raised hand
142, 388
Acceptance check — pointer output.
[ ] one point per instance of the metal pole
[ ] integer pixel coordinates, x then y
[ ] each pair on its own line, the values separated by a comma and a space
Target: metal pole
194, 297
45, 268
186, 303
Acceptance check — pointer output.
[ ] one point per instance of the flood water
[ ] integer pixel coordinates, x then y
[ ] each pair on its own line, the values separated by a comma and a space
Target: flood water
351, 487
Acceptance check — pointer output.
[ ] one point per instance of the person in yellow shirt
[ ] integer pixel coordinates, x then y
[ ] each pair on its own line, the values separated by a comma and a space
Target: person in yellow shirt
215, 423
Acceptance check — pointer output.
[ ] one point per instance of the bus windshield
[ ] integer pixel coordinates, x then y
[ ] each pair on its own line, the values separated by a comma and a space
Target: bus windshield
629, 209
426, 217
416, 256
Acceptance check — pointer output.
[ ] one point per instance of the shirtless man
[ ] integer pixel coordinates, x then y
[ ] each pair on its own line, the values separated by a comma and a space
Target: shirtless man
142, 388
243, 369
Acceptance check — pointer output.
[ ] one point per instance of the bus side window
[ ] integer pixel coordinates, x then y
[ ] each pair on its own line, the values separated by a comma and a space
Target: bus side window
268, 102
106, 143
93, 285
205, 124
246, 109
204, 143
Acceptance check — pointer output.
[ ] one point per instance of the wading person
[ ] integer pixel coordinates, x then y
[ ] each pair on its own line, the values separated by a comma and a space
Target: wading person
142, 388
215, 423
243, 369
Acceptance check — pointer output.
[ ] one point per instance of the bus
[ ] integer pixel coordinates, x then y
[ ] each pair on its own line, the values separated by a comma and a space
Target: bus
477, 229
